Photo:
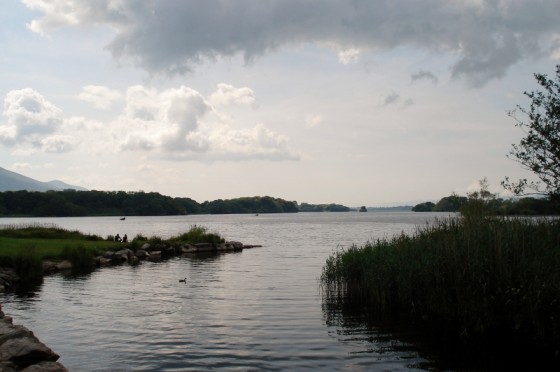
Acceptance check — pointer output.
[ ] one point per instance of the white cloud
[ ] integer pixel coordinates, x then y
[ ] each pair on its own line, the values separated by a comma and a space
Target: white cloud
227, 94
349, 55
57, 144
100, 96
258, 142
311, 121
487, 38
177, 123
30, 118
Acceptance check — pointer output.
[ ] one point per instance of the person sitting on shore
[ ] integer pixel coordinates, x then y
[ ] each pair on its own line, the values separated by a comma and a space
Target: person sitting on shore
125, 239
117, 238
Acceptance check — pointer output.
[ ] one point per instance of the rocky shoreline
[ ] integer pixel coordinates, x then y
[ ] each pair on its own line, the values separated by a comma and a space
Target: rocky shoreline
20, 350
150, 252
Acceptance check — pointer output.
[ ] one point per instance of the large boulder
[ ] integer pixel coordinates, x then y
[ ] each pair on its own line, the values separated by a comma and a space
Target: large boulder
142, 253
20, 347
64, 265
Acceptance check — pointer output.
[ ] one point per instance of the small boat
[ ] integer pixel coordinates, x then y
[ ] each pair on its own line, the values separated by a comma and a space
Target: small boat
123, 218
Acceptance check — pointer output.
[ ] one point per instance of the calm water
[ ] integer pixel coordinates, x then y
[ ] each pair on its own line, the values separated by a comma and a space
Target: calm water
259, 309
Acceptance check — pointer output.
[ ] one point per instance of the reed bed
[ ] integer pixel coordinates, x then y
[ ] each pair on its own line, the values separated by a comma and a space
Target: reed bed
484, 278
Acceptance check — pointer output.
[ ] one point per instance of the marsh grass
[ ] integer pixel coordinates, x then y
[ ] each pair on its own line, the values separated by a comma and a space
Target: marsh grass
484, 278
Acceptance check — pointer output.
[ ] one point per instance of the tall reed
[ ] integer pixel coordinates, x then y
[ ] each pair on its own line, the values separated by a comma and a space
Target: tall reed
483, 276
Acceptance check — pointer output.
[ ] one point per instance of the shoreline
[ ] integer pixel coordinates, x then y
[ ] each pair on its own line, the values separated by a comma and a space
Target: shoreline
21, 350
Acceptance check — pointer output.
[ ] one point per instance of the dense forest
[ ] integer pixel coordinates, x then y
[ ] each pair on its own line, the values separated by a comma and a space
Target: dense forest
120, 203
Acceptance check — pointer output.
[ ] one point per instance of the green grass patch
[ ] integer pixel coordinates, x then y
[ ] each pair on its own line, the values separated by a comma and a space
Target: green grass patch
47, 242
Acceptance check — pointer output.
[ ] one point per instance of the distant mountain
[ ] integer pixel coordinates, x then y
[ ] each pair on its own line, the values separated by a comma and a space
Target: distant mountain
12, 181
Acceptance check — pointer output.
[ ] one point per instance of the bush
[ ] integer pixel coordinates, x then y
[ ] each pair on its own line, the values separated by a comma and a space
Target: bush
28, 266
82, 260
199, 234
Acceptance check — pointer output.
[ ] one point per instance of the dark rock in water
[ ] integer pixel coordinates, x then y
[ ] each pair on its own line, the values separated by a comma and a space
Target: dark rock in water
21, 350
204, 247
46, 367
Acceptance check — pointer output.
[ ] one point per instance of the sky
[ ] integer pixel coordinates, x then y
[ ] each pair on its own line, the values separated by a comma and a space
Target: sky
355, 102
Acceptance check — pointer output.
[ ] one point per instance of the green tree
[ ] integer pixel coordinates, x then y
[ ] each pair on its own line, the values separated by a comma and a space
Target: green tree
481, 202
450, 203
539, 150
424, 207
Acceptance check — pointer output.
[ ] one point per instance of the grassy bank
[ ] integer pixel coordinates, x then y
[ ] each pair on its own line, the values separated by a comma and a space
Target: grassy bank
47, 241
25, 247
482, 280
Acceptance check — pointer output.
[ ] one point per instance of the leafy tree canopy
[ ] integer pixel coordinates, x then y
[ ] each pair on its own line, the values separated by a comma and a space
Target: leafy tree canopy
539, 150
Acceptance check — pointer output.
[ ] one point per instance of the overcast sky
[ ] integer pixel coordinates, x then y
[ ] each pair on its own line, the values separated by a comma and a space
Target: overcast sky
357, 102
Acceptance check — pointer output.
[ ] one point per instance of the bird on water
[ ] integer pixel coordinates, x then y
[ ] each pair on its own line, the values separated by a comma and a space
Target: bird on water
183, 280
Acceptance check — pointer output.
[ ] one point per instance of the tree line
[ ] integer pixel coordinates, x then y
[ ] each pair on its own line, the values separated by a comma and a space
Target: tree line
492, 204
73, 203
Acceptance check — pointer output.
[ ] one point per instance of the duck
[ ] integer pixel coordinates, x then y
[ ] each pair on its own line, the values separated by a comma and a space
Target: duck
183, 280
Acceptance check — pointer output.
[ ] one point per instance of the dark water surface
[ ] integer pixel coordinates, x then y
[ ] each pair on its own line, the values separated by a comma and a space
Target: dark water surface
259, 309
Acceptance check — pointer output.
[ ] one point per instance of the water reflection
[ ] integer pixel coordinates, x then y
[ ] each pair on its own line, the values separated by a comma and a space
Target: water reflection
384, 337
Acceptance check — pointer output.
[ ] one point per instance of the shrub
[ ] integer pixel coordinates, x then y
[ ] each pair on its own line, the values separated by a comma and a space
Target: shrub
82, 259
28, 266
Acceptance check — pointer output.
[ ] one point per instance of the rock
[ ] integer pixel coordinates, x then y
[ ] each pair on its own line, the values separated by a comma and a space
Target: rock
8, 367
109, 254
102, 261
64, 265
187, 248
146, 246
25, 351
252, 246
204, 247
49, 266
19, 348
155, 256
124, 252
142, 253
45, 367
8, 277
236, 245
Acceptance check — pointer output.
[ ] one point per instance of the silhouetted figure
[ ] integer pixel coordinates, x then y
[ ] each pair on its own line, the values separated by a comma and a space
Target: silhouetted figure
125, 239
117, 238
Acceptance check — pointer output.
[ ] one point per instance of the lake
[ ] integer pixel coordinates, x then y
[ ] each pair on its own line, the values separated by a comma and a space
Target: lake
259, 309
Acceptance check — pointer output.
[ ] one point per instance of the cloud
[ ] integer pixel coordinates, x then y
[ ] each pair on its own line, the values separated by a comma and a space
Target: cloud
227, 94
349, 55
177, 124
181, 124
486, 38
258, 142
424, 75
395, 99
100, 96
57, 144
30, 119
311, 121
